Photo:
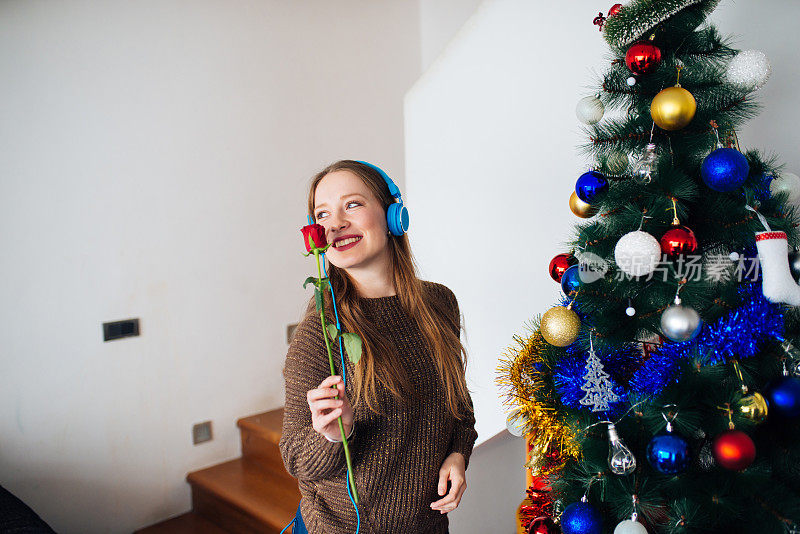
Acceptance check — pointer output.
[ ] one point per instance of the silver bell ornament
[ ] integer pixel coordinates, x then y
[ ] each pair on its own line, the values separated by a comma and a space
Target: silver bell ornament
749, 69
590, 110
680, 323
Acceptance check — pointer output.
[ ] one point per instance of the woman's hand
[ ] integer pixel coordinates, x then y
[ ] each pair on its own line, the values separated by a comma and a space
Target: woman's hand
325, 409
452, 470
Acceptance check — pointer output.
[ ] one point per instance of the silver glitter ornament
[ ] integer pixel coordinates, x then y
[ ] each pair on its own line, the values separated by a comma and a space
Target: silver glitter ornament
516, 424
637, 253
680, 323
590, 110
705, 458
749, 69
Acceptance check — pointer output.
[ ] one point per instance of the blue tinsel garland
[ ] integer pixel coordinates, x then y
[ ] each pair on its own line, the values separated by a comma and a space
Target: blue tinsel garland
739, 334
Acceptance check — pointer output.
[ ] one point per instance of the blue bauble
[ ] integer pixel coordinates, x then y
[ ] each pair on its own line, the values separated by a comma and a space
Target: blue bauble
581, 518
571, 279
668, 453
784, 398
591, 185
724, 170
762, 191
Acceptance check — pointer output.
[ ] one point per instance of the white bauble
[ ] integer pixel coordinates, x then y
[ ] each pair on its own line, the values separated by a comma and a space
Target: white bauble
590, 110
749, 69
516, 424
630, 527
637, 253
787, 182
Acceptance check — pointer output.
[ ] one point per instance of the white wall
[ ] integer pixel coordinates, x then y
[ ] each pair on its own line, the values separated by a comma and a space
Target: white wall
491, 157
440, 21
154, 159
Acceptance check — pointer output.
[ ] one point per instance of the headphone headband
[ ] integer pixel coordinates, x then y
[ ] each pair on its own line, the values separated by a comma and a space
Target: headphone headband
393, 189
397, 214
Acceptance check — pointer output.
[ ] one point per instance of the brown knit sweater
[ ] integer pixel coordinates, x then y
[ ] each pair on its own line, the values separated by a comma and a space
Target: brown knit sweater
396, 457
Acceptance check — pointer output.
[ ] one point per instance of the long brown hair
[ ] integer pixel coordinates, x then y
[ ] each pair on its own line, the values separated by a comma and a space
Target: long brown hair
378, 365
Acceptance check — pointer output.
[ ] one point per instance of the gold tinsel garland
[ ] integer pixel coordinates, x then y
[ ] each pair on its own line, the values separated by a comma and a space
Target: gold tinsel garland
520, 373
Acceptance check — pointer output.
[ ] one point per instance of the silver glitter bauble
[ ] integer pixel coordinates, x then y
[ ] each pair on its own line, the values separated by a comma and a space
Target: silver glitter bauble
630, 527
749, 69
516, 424
637, 253
786, 182
680, 323
590, 110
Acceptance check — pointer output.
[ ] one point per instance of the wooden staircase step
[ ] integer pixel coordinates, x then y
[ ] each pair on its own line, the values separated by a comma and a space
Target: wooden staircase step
268, 425
242, 496
260, 435
190, 523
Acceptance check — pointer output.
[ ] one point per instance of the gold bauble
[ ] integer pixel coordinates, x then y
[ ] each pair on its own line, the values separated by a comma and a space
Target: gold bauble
580, 208
560, 326
754, 407
673, 108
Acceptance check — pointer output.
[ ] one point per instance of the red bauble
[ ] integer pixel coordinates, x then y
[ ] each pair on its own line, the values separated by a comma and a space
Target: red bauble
613, 10
643, 57
678, 241
734, 450
559, 264
543, 525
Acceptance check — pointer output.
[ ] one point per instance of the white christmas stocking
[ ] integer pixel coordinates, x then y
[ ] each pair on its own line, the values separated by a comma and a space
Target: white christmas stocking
777, 283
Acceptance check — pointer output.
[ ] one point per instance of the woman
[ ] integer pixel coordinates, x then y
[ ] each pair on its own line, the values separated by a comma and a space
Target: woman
405, 405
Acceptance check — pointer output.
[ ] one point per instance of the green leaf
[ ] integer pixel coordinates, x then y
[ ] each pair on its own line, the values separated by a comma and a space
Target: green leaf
325, 283
352, 344
318, 298
309, 280
333, 332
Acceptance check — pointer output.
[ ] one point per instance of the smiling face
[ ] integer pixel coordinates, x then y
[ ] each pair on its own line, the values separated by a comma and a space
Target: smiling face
354, 222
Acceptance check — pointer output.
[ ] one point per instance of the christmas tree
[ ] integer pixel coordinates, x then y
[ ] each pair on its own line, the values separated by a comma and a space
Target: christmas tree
661, 395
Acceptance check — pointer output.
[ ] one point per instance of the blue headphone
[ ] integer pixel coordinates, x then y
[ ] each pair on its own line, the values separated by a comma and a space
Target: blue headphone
397, 214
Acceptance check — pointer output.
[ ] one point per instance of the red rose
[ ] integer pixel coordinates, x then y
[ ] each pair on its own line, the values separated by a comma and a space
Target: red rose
315, 232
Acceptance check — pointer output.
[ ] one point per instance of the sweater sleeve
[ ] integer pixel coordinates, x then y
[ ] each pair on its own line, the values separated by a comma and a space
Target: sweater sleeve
306, 453
464, 434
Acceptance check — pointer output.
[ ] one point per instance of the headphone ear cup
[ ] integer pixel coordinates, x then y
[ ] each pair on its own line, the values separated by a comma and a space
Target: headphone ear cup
397, 219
